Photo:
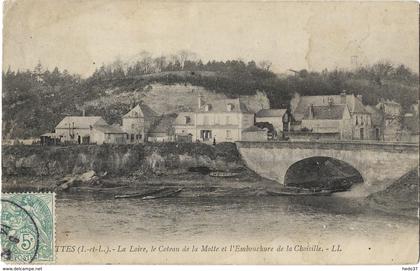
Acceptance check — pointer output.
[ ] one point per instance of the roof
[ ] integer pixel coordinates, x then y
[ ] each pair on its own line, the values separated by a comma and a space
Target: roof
221, 106
270, 113
353, 103
163, 125
253, 129
140, 111
80, 122
108, 129
326, 112
358, 106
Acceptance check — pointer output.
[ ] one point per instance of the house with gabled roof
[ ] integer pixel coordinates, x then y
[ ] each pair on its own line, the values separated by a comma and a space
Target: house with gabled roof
87, 130
342, 114
137, 122
215, 121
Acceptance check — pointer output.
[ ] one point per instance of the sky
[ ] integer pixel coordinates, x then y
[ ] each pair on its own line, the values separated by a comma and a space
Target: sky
80, 35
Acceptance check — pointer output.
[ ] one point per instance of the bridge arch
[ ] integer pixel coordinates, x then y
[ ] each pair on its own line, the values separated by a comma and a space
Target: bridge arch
379, 164
322, 171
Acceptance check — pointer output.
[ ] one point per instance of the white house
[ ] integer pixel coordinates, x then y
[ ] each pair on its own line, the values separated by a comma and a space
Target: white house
87, 130
219, 120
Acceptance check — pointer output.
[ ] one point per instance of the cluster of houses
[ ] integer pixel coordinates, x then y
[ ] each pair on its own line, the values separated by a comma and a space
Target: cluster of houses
325, 117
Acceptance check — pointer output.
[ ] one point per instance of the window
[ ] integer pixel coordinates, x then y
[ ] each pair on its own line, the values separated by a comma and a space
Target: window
357, 120
228, 134
207, 107
133, 126
187, 119
230, 107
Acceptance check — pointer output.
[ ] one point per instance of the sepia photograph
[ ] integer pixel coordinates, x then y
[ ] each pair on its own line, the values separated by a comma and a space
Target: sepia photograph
210, 132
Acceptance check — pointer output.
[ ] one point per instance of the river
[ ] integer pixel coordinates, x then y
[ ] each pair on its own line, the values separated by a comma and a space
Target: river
84, 215
363, 234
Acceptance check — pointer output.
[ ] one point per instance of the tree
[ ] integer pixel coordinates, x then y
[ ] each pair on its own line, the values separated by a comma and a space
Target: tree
160, 63
185, 55
381, 70
38, 69
265, 65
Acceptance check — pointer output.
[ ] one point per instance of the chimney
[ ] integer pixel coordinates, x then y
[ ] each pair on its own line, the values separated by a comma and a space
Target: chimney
83, 113
199, 101
343, 97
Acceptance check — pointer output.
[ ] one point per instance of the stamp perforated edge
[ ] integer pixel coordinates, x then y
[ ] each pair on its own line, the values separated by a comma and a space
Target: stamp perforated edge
54, 224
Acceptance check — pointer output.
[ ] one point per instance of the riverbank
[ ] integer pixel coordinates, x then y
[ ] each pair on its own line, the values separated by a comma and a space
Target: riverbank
401, 197
120, 169
133, 168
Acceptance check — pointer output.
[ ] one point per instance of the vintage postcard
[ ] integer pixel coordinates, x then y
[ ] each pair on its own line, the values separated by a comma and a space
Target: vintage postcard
210, 132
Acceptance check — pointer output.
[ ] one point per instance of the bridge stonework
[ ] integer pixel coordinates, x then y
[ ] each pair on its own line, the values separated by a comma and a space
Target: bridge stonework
378, 163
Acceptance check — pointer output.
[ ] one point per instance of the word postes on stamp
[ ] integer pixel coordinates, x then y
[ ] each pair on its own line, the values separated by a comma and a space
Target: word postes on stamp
28, 227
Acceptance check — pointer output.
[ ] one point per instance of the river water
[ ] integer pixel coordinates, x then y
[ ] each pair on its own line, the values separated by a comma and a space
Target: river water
90, 217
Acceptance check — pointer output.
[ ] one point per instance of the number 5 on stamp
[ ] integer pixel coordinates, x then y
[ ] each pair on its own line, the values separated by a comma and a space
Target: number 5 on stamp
28, 227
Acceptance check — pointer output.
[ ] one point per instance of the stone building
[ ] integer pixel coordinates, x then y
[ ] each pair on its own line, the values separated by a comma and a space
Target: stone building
137, 122
219, 121
85, 130
341, 116
392, 114
378, 123
108, 134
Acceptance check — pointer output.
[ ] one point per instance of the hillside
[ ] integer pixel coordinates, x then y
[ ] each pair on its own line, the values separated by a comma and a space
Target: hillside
164, 99
35, 101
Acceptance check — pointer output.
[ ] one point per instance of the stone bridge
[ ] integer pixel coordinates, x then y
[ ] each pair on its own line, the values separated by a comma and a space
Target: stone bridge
377, 163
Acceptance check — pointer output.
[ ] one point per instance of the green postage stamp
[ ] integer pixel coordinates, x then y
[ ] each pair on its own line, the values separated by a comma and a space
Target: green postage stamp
28, 227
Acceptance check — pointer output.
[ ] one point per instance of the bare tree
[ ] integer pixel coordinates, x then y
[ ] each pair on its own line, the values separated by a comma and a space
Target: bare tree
160, 62
185, 55
382, 70
146, 61
265, 65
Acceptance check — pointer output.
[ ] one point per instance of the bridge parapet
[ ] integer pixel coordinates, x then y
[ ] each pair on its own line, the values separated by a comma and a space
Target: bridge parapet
396, 147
